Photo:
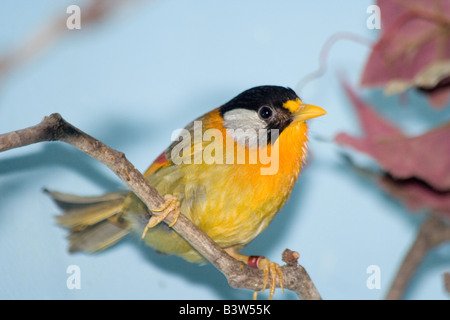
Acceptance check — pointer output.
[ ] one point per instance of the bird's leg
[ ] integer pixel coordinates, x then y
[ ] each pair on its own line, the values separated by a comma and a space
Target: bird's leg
259, 262
171, 205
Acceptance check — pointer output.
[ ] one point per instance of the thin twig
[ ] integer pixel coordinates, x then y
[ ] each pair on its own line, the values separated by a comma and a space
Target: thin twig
325, 52
43, 36
433, 232
55, 128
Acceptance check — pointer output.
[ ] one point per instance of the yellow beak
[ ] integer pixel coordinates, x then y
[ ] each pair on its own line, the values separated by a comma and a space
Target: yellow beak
308, 111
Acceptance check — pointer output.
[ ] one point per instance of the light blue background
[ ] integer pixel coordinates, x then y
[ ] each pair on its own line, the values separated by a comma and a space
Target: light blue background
150, 68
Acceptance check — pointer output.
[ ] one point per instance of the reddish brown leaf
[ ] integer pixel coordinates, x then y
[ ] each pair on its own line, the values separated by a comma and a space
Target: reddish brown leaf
417, 195
426, 157
413, 46
418, 168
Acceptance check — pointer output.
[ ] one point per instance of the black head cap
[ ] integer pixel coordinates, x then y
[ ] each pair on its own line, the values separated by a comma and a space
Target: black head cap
267, 103
256, 97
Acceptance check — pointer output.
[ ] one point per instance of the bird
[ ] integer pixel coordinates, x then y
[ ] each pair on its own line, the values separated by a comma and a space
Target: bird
230, 171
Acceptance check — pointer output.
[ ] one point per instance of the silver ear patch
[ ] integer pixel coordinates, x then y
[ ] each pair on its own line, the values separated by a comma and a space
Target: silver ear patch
245, 126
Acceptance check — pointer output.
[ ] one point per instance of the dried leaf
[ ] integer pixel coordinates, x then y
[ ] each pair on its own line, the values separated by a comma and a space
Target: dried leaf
426, 157
413, 50
418, 167
416, 195
428, 77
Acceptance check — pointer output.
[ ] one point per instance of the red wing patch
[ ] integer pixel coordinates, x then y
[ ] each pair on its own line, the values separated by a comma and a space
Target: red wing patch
159, 162
161, 158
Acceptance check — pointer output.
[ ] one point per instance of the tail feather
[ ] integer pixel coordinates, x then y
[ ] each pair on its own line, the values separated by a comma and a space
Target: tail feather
97, 237
78, 219
95, 223
68, 201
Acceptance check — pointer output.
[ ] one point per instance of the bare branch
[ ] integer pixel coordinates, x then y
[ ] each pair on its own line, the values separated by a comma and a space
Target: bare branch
94, 11
55, 128
432, 233
446, 277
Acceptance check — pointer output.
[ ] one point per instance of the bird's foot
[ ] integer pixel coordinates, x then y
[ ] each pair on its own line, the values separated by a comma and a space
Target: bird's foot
271, 270
171, 205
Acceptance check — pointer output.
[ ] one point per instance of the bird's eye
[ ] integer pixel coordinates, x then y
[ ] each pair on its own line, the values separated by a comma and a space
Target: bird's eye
265, 112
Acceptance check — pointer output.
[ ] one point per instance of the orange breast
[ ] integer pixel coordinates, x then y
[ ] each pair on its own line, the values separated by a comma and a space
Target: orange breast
249, 195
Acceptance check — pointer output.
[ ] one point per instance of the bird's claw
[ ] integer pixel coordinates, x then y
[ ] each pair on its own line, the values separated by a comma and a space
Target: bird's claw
271, 270
171, 205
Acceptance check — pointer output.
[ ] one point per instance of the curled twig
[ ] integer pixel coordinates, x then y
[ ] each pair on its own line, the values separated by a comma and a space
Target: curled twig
55, 128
